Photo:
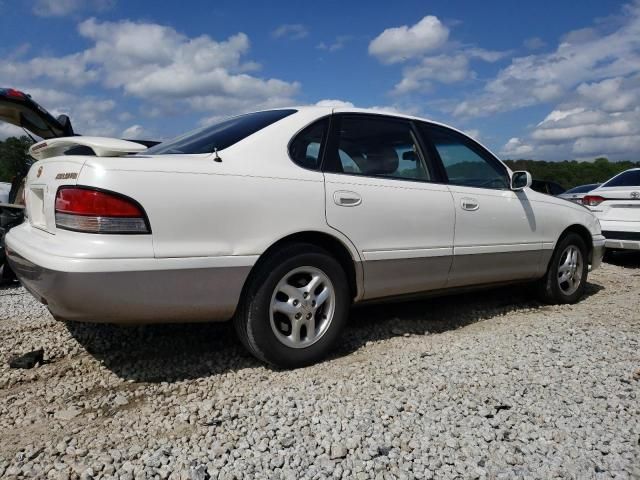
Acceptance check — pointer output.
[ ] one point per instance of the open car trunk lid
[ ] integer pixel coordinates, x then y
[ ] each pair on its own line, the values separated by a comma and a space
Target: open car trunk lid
17, 108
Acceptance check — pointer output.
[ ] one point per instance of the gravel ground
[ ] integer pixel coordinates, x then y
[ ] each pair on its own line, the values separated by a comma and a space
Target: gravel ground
488, 385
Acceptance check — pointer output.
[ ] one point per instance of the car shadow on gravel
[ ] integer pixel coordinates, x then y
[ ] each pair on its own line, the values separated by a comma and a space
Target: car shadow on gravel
169, 353
439, 314
624, 259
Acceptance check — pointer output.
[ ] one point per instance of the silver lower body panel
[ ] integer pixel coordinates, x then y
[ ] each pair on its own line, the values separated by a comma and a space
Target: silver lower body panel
480, 268
135, 297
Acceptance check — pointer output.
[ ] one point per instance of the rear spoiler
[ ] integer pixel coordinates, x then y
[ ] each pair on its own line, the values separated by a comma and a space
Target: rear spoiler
101, 146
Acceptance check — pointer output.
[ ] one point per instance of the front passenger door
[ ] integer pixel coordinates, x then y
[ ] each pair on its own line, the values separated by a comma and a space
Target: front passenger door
497, 235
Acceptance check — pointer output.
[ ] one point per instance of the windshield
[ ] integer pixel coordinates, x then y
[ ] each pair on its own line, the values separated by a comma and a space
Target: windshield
630, 178
221, 135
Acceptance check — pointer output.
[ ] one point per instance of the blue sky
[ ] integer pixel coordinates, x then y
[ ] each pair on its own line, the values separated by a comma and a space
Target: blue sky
546, 79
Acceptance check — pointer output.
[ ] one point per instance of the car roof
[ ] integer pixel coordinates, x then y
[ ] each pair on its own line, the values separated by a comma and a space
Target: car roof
374, 111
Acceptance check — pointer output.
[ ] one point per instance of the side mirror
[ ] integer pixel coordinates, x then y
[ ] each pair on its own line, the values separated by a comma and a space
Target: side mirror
520, 180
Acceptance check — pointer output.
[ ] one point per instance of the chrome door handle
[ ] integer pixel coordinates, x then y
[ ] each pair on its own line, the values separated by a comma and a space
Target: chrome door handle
469, 204
347, 199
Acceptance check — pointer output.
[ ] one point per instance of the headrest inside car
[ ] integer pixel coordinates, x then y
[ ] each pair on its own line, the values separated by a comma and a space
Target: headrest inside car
383, 161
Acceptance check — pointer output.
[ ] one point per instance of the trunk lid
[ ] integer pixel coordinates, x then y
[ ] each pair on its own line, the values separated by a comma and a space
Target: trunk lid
42, 183
54, 169
17, 108
620, 204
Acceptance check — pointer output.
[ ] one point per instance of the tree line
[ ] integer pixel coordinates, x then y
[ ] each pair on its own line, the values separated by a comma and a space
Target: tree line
570, 173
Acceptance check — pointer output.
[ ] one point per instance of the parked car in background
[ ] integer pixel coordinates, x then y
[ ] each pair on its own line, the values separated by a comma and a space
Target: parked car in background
547, 187
576, 194
616, 203
5, 189
286, 217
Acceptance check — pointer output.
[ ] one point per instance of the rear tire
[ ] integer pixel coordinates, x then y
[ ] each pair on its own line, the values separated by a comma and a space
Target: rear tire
294, 307
566, 276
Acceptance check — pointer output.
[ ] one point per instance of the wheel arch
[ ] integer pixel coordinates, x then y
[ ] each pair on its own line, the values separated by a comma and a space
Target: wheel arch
332, 244
583, 232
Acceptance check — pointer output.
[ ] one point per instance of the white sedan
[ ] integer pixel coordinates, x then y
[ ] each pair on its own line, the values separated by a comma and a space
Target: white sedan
282, 219
617, 204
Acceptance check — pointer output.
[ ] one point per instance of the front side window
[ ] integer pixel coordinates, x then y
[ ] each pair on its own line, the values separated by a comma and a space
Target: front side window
372, 146
464, 163
219, 136
626, 179
305, 148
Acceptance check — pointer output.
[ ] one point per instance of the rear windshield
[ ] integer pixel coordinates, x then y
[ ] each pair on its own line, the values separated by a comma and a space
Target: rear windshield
626, 179
582, 188
221, 135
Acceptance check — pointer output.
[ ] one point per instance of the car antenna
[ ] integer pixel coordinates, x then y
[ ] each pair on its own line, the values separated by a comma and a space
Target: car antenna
217, 157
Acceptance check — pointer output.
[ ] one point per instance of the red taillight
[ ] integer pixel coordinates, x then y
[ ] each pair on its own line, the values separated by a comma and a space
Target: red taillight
11, 92
95, 211
592, 200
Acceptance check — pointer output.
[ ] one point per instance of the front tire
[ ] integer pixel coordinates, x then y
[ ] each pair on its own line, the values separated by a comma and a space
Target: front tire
294, 307
566, 276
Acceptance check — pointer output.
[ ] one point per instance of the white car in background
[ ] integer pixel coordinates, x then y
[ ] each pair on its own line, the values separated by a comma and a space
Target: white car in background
282, 219
616, 203
576, 194
5, 189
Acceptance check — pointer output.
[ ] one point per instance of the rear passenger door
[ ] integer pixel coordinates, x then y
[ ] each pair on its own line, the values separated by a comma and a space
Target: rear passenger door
497, 234
380, 192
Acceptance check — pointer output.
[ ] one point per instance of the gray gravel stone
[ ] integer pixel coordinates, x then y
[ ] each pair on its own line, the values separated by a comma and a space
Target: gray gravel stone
487, 385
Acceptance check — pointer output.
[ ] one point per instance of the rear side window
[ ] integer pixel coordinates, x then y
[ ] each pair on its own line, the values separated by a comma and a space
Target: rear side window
221, 135
377, 146
625, 179
464, 162
306, 147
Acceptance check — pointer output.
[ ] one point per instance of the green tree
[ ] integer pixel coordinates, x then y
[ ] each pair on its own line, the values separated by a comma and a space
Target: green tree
14, 157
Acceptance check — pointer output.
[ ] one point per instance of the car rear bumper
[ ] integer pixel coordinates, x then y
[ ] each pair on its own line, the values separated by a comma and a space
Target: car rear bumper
621, 235
172, 291
597, 251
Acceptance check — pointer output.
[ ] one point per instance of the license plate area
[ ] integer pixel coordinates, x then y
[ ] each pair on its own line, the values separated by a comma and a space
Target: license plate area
36, 207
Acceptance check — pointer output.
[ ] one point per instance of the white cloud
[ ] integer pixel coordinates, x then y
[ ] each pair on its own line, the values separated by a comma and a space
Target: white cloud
69, 69
135, 132
337, 44
61, 8
7, 130
442, 68
293, 31
432, 57
583, 56
158, 64
534, 43
490, 56
621, 147
612, 94
474, 133
516, 148
401, 43
334, 103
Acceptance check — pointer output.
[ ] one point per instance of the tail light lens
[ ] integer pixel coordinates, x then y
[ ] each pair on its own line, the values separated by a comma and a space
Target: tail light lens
95, 211
592, 200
